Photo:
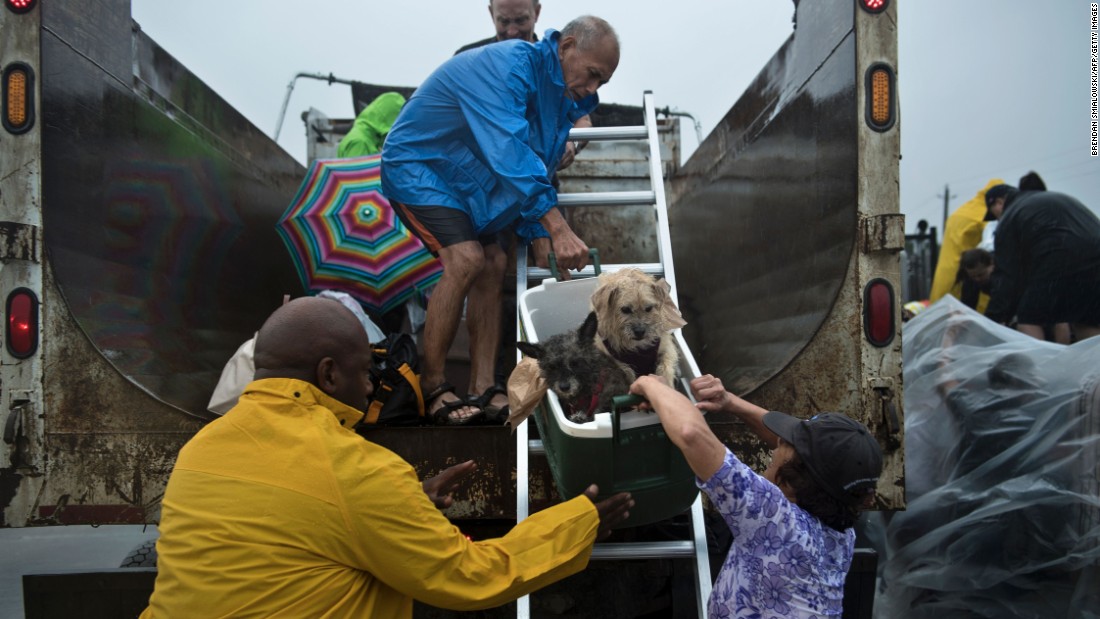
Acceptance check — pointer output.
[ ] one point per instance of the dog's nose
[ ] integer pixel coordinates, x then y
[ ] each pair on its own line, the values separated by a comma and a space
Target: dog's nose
639, 332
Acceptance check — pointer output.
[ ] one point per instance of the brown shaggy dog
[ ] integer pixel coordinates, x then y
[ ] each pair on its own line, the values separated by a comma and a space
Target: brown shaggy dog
636, 319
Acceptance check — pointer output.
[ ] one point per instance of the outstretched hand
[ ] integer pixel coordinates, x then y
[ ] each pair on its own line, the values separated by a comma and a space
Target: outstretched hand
613, 510
440, 487
710, 394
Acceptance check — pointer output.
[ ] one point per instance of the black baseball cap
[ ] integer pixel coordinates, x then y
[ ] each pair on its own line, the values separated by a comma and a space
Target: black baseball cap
839, 452
991, 194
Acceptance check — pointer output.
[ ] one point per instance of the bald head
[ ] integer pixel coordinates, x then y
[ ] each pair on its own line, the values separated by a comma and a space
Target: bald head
592, 32
589, 53
319, 341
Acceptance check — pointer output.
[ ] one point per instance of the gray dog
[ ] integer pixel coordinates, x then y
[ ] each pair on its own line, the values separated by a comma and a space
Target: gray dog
584, 378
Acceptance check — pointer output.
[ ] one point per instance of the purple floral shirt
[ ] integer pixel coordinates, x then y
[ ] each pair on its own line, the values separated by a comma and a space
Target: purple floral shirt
784, 562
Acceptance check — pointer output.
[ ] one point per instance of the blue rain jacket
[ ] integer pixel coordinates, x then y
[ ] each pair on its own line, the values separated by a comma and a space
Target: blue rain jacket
483, 134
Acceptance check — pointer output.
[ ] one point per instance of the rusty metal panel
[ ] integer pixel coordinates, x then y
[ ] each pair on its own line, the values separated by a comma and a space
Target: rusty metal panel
763, 215
18, 242
779, 220
107, 446
159, 205
882, 404
491, 493
883, 233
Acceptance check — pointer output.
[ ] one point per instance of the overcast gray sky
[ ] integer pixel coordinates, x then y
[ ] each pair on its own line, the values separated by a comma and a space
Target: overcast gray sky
988, 88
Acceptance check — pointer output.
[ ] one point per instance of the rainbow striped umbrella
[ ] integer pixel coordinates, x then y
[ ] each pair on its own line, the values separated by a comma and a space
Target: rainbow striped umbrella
343, 235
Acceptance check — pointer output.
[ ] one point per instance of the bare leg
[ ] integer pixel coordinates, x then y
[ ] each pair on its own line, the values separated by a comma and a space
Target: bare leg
1084, 332
483, 321
1062, 334
1035, 331
461, 264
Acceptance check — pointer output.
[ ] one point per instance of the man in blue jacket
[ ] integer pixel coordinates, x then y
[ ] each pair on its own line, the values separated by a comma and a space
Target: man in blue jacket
470, 157
515, 19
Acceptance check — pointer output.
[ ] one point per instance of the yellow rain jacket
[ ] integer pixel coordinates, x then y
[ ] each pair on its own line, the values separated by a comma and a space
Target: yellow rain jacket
277, 509
963, 231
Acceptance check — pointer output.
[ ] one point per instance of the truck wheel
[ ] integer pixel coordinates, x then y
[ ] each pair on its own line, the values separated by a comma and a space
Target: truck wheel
144, 555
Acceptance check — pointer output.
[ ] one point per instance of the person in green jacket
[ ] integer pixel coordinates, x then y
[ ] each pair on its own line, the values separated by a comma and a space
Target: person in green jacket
371, 126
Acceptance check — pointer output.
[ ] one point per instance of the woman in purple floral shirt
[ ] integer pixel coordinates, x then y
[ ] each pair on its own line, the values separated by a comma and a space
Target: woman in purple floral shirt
792, 526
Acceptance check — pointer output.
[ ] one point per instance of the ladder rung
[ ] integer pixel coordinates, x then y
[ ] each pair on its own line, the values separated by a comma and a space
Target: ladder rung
656, 269
534, 447
644, 550
607, 198
638, 132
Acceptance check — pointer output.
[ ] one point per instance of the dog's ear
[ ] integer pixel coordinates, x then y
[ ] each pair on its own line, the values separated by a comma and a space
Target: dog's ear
531, 350
587, 333
601, 298
670, 314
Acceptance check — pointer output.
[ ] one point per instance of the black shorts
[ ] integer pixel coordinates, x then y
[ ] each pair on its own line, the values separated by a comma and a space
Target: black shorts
441, 226
1060, 300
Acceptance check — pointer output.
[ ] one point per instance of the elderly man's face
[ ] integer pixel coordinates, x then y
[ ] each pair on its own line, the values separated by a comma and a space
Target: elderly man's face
586, 70
515, 19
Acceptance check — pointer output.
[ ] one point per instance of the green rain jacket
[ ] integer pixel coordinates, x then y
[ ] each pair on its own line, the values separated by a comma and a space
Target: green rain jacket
371, 126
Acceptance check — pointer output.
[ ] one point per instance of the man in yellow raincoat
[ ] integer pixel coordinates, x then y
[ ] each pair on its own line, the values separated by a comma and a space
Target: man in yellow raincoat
962, 231
280, 509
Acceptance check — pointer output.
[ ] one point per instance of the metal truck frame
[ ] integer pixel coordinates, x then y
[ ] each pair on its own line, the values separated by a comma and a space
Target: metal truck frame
137, 214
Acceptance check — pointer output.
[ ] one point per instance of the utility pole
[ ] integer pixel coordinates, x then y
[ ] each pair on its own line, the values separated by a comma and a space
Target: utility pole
946, 199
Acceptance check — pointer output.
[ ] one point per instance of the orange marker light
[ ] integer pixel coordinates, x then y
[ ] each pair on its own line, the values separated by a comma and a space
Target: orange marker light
18, 101
881, 104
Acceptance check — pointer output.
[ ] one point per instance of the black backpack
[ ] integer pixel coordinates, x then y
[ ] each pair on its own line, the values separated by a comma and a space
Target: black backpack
397, 399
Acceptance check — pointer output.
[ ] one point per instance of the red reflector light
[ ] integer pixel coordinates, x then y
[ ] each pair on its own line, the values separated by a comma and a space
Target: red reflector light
878, 312
873, 6
20, 6
22, 325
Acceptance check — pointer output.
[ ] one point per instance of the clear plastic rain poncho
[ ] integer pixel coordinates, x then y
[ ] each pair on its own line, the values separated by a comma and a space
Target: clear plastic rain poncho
1002, 434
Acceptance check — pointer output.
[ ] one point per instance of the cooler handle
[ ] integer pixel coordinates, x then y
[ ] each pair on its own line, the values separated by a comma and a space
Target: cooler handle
624, 402
593, 255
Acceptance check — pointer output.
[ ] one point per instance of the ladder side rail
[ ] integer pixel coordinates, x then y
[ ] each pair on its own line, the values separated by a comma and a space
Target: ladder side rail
702, 558
657, 177
664, 248
523, 479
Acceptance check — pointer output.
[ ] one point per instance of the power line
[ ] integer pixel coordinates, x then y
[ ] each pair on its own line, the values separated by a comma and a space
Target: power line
1030, 164
1089, 173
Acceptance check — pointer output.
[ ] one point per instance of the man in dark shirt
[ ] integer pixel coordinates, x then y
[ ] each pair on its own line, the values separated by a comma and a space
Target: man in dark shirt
513, 19
1047, 256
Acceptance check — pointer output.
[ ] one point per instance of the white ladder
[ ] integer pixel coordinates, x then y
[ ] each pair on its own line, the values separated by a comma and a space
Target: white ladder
695, 547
